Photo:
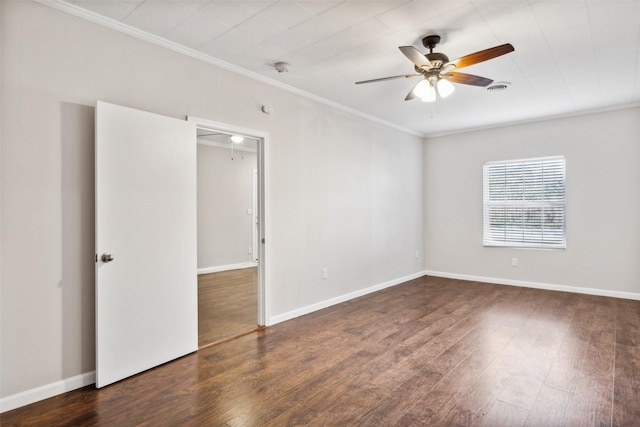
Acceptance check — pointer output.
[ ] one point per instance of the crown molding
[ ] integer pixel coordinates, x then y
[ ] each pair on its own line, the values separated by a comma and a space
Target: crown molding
72, 9
629, 106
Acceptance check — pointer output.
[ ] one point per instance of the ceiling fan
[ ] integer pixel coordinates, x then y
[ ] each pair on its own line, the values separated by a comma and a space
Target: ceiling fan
437, 71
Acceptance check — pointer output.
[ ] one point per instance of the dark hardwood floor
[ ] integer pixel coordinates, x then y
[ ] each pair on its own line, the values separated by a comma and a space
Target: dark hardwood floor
227, 304
430, 352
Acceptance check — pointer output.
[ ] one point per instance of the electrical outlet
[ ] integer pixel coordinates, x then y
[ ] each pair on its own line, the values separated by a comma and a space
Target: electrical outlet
250, 250
325, 273
514, 262
417, 254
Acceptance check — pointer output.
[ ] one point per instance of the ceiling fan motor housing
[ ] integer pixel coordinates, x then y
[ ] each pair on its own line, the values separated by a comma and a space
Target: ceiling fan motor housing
437, 59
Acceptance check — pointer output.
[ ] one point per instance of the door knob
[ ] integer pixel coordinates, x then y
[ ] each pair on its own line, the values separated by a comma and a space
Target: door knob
106, 257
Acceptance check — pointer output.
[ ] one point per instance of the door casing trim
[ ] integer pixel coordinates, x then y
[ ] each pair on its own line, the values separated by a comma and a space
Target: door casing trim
264, 311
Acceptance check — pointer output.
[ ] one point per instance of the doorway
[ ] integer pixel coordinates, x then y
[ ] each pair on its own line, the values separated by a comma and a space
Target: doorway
230, 235
146, 238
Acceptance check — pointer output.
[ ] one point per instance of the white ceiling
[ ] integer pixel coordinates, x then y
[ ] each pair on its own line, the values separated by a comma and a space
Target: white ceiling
221, 139
570, 56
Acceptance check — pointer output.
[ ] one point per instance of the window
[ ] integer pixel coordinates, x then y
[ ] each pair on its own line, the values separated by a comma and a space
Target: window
524, 203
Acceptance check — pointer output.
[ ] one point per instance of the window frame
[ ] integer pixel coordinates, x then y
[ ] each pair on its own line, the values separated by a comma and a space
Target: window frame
557, 240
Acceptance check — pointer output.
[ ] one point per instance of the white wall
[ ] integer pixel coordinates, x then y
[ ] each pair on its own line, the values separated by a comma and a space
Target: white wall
225, 192
346, 193
603, 203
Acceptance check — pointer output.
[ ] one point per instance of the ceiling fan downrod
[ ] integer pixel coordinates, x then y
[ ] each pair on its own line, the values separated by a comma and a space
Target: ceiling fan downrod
438, 59
430, 42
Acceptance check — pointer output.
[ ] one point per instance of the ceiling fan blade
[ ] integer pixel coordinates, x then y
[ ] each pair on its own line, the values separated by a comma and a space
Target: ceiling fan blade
483, 55
389, 78
467, 79
415, 56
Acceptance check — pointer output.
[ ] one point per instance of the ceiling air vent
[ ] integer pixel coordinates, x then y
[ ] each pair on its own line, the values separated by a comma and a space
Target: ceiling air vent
498, 86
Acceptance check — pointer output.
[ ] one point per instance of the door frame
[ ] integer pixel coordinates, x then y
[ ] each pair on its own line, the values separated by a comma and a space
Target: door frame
263, 309
255, 223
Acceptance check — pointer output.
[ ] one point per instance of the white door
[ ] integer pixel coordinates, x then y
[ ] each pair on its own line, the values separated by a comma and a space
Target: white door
146, 296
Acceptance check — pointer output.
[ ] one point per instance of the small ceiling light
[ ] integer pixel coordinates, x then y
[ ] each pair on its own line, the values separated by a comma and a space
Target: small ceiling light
445, 88
281, 67
237, 139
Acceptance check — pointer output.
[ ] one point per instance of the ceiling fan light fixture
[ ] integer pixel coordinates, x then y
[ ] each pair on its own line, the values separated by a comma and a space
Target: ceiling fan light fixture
422, 88
445, 88
430, 95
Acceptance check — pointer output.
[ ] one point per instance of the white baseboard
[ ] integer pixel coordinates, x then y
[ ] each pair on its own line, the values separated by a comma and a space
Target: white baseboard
342, 298
536, 285
46, 391
218, 268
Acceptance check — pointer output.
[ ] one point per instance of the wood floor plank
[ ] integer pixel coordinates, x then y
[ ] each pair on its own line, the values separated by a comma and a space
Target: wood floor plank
549, 408
528, 378
592, 397
626, 409
501, 414
227, 304
400, 401
432, 352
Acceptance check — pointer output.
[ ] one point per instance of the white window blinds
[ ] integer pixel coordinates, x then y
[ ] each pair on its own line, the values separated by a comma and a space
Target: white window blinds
524, 203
